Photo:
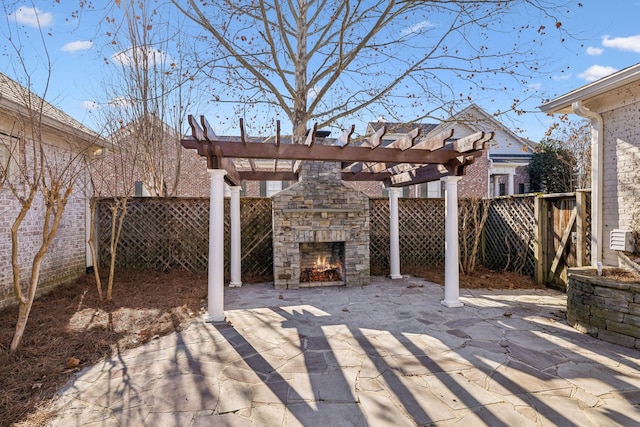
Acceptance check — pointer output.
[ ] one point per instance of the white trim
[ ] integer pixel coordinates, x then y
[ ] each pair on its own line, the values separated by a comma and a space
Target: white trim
622, 78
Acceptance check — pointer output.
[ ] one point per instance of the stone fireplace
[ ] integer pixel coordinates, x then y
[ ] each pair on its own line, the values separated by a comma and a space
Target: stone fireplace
320, 231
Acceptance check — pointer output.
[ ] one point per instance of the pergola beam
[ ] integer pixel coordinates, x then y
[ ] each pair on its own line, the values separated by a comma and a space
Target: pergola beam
403, 162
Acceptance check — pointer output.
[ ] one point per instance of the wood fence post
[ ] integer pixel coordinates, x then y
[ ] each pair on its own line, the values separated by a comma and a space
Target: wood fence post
581, 228
540, 227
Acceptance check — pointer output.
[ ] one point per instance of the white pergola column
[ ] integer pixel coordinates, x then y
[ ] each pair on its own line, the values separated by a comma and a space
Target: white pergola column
236, 280
451, 255
510, 184
215, 298
394, 233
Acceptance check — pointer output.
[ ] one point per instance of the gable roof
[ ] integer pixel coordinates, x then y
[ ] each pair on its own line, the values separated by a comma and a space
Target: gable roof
16, 98
594, 92
133, 126
473, 113
400, 128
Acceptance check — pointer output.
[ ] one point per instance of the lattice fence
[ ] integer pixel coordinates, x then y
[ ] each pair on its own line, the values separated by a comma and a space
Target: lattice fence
157, 233
421, 233
174, 233
509, 241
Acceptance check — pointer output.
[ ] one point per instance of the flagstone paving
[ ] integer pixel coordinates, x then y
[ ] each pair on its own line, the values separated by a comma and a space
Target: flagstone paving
387, 354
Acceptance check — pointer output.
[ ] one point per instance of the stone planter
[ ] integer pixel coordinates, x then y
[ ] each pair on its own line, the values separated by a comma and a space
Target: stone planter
604, 307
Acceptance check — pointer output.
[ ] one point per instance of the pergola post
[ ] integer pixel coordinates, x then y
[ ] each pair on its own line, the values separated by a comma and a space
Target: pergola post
394, 233
215, 298
236, 280
451, 255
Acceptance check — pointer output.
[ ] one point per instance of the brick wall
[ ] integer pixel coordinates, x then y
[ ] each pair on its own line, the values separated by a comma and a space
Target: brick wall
65, 259
474, 183
621, 172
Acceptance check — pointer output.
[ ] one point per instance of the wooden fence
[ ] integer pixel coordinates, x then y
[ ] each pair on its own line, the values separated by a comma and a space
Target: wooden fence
173, 233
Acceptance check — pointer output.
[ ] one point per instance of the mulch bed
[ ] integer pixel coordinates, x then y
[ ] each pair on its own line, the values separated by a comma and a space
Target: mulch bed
70, 328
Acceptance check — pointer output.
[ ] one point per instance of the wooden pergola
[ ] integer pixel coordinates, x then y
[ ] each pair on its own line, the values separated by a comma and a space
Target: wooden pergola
408, 160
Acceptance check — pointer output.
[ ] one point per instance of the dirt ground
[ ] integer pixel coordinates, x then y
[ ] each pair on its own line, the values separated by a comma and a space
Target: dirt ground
481, 278
70, 328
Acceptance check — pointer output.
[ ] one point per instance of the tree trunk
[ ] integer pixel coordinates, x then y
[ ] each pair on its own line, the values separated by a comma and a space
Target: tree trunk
24, 307
120, 205
92, 247
299, 119
23, 316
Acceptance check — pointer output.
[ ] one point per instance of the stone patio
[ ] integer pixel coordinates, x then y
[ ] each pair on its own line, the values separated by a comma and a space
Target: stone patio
387, 354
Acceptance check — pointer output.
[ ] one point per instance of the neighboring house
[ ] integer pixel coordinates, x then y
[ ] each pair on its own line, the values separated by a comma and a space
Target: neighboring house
63, 138
613, 106
148, 160
502, 169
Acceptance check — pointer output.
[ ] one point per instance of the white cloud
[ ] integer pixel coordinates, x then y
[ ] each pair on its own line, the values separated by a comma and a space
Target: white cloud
32, 16
565, 76
77, 46
120, 102
594, 51
631, 43
90, 105
313, 92
535, 86
128, 57
416, 28
596, 72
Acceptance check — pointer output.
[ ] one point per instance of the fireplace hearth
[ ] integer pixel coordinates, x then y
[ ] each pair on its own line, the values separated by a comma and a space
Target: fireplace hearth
320, 231
322, 264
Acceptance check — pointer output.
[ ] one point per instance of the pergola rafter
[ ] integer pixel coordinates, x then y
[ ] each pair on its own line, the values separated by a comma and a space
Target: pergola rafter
407, 160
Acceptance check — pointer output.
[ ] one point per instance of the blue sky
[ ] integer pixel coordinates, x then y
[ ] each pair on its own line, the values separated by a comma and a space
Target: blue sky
605, 37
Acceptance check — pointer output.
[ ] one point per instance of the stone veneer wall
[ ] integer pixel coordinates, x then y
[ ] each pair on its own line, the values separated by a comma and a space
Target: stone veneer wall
604, 308
320, 208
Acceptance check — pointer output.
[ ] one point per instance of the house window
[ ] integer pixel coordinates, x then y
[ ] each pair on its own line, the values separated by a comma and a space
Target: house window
434, 189
140, 189
269, 188
8, 151
503, 189
4, 157
423, 190
523, 188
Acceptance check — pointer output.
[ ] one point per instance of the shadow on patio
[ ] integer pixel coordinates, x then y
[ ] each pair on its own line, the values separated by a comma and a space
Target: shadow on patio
385, 354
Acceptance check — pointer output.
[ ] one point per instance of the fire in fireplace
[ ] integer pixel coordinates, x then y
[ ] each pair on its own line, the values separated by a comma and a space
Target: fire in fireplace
321, 263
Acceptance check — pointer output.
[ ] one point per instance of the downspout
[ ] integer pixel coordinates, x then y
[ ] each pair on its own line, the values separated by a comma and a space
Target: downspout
597, 160
87, 219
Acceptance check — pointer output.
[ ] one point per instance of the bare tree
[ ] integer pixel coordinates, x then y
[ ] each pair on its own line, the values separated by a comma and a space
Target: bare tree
112, 175
575, 137
473, 216
325, 60
150, 89
40, 171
